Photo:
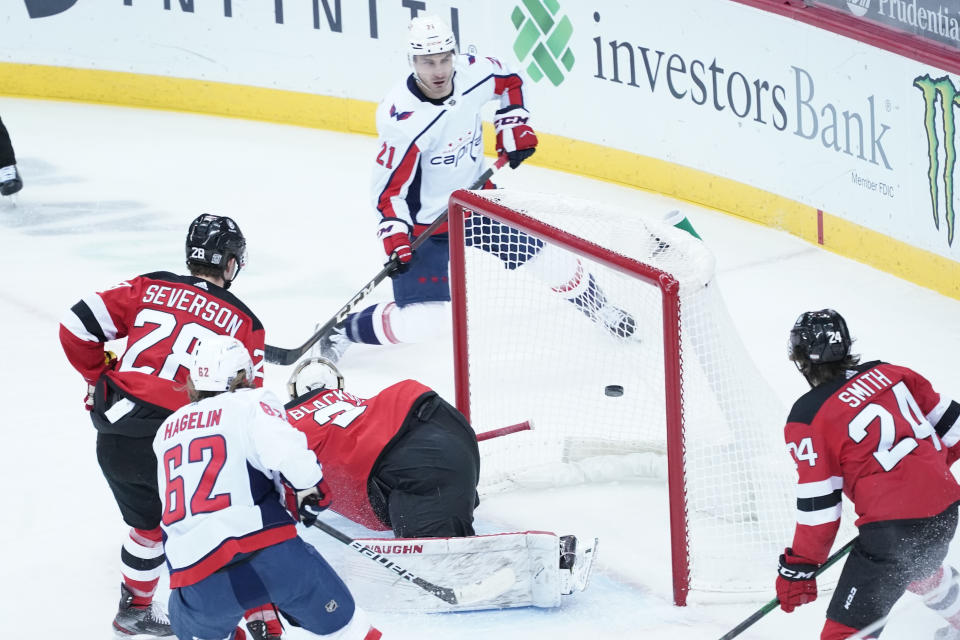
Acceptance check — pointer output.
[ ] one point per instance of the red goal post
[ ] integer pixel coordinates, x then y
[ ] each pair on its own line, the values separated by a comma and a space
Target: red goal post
493, 357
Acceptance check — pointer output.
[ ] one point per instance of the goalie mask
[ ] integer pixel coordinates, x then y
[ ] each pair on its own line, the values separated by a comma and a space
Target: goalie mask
313, 374
212, 241
819, 337
429, 35
217, 363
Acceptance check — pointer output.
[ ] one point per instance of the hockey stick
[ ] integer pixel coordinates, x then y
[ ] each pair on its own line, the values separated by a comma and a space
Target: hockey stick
492, 586
770, 606
281, 356
526, 425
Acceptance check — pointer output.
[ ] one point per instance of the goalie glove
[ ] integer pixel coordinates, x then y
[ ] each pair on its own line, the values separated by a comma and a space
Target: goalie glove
515, 137
796, 581
395, 235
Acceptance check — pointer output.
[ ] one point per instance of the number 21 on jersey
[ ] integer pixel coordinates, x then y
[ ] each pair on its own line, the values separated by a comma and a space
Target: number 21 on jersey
388, 151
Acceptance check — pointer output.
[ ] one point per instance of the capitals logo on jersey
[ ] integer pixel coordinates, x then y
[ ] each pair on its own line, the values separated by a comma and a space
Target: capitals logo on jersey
470, 145
399, 115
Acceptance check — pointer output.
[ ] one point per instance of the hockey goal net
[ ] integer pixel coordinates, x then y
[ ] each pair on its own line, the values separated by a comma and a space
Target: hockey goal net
546, 292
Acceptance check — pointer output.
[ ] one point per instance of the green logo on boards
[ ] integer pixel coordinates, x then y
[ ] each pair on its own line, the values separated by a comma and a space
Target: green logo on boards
941, 91
543, 34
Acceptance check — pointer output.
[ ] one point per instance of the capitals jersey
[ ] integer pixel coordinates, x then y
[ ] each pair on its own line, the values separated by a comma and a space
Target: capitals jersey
218, 467
163, 316
348, 434
884, 438
430, 148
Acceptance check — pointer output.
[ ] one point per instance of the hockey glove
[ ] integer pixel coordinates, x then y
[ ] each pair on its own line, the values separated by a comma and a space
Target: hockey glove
796, 581
109, 362
395, 235
88, 400
310, 502
515, 137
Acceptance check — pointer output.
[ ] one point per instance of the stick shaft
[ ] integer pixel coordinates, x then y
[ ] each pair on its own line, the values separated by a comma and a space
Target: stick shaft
770, 606
502, 431
444, 593
281, 356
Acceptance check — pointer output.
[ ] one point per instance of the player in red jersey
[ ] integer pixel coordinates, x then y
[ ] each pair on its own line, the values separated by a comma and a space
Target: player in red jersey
880, 434
162, 315
404, 459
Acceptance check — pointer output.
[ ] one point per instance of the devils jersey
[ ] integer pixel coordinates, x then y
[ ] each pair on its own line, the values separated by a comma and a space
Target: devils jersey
163, 316
348, 434
884, 438
430, 148
218, 462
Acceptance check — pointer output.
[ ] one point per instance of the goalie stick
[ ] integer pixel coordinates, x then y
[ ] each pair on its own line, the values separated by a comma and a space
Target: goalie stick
770, 606
526, 425
285, 357
495, 584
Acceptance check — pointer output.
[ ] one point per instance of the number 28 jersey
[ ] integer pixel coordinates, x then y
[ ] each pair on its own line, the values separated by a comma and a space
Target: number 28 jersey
163, 316
884, 438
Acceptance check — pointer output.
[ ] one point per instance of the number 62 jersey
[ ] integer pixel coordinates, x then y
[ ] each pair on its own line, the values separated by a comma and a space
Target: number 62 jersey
884, 438
163, 316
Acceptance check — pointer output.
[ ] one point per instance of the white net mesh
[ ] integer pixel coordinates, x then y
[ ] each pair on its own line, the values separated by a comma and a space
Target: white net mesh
546, 333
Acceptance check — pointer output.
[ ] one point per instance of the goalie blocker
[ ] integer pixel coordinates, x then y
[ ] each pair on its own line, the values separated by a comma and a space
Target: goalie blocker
545, 567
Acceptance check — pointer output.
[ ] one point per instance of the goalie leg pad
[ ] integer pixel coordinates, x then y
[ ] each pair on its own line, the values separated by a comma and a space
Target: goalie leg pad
531, 557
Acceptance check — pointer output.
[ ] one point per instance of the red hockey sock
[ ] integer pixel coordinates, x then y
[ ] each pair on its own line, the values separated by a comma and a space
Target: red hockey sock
268, 614
833, 630
141, 562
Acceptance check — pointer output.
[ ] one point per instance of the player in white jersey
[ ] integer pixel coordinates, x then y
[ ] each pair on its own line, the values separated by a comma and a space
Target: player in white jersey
230, 543
431, 144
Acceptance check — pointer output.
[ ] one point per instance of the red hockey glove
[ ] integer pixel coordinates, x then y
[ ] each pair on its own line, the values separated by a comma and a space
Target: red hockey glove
306, 504
395, 235
515, 137
796, 581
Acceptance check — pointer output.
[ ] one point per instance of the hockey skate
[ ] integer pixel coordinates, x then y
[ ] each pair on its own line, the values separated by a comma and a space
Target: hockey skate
10, 181
334, 344
618, 322
150, 621
593, 303
258, 631
576, 563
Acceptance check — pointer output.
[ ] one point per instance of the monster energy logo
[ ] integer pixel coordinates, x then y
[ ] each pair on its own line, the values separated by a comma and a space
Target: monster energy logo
948, 95
543, 36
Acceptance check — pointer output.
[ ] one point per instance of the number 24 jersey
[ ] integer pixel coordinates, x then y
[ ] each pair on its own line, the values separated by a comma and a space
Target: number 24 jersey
884, 438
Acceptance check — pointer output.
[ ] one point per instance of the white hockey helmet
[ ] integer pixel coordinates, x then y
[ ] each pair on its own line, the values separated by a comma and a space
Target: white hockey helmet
428, 35
313, 374
217, 361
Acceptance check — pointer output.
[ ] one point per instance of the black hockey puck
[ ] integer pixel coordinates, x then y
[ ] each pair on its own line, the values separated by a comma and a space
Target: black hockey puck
613, 390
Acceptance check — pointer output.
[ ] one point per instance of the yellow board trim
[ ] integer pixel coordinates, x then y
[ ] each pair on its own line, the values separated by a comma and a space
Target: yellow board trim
555, 152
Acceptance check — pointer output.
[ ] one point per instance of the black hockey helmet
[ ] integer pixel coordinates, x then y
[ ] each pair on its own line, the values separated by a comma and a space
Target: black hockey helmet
211, 242
819, 337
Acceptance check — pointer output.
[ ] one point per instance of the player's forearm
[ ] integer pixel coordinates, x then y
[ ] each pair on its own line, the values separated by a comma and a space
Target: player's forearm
85, 356
814, 542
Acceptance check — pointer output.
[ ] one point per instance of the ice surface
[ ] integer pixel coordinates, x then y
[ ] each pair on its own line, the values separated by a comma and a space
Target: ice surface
108, 194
